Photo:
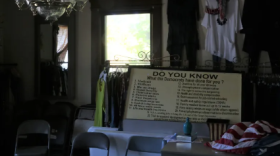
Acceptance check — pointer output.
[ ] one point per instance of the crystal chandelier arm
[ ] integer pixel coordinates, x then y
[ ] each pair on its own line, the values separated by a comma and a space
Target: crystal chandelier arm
25, 8
20, 3
51, 9
80, 4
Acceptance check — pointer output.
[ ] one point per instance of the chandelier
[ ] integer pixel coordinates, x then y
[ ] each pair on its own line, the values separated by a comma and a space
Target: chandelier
51, 10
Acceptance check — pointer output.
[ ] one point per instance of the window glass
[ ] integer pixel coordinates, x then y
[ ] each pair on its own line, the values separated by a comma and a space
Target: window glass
128, 37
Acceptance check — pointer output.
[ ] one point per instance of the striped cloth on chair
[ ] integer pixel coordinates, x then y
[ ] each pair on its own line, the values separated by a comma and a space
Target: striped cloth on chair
242, 136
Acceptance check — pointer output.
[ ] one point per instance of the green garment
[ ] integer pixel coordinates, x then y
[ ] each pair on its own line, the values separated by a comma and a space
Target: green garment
100, 93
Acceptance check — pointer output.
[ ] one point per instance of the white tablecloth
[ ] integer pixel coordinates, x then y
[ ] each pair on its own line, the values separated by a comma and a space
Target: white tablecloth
191, 149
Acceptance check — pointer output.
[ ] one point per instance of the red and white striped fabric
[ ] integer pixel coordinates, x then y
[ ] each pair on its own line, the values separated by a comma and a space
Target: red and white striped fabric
242, 136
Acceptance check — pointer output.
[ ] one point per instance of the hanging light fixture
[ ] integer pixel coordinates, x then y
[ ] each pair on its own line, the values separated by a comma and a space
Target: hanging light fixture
51, 10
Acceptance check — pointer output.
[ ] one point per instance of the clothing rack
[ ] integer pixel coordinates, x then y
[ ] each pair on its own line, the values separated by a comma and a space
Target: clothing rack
108, 66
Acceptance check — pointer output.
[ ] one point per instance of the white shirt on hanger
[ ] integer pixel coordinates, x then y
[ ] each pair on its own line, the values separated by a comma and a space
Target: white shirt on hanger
103, 75
220, 39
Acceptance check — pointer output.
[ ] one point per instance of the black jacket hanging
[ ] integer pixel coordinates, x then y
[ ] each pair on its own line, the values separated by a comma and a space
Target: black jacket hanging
182, 16
261, 23
182, 11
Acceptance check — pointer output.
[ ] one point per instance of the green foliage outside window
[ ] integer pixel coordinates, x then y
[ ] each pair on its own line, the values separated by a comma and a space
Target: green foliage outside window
127, 35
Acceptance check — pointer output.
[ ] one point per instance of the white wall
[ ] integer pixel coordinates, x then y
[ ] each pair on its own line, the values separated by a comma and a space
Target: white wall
20, 47
83, 57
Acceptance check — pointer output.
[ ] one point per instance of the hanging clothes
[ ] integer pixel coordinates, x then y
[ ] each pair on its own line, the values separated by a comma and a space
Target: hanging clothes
117, 84
123, 92
220, 38
106, 105
182, 19
110, 99
53, 80
261, 26
116, 96
100, 95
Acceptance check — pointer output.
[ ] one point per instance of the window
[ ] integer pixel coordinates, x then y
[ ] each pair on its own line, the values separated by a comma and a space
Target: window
128, 38
127, 11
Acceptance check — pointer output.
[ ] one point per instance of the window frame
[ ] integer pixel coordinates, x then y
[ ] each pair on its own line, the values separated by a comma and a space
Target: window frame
132, 10
98, 13
71, 23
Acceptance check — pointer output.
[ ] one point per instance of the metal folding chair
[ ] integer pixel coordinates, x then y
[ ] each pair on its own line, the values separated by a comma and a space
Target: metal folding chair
144, 144
26, 130
84, 141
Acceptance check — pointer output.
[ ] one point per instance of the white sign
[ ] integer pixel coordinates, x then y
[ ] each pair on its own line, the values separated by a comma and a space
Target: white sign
168, 95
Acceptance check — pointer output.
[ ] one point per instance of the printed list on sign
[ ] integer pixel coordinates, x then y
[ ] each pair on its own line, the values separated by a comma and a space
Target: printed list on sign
166, 95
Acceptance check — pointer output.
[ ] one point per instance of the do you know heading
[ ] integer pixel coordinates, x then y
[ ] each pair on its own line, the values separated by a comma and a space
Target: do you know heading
198, 77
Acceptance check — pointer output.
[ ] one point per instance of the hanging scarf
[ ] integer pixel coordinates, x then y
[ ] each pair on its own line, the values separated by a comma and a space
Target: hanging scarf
220, 11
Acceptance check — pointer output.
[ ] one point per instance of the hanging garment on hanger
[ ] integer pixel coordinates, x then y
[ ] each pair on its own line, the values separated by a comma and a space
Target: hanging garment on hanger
107, 106
113, 102
124, 88
113, 91
220, 39
182, 18
261, 23
100, 100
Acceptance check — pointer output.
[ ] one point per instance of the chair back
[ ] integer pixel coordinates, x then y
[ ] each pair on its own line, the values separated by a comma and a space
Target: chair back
87, 140
217, 128
144, 144
33, 127
60, 117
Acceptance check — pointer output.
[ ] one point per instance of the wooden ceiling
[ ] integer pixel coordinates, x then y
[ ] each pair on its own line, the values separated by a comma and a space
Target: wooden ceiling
118, 4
